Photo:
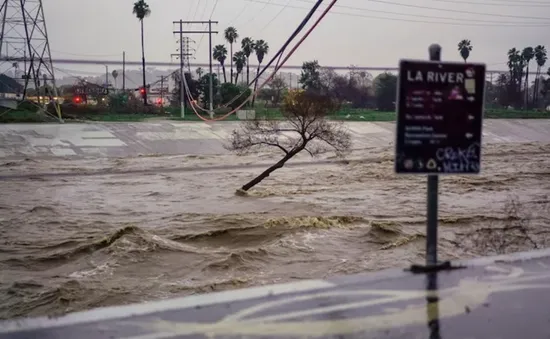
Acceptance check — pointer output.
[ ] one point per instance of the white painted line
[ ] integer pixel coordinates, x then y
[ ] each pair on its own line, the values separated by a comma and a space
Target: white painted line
118, 312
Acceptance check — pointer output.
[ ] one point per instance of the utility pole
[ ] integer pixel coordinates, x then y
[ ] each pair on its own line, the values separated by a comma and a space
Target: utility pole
123, 71
209, 32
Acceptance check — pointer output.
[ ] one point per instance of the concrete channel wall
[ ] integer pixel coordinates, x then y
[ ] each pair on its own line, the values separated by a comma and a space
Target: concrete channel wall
182, 138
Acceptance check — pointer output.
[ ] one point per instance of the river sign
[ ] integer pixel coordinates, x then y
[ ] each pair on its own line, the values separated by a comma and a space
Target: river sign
439, 117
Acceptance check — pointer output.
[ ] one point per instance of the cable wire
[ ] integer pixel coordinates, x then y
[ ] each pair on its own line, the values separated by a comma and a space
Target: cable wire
518, 25
417, 15
524, 2
252, 95
210, 18
259, 11
213, 9
282, 49
196, 10
276, 15
86, 55
237, 16
455, 10
278, 54
515, 4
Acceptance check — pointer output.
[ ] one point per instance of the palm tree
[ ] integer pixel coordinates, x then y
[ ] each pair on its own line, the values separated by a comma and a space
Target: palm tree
220, 54
199, 71
141, 10
240, 60
247, 44
261, 48
540, 57
515, 64
231, 36
527, 54
115, 75
465, 47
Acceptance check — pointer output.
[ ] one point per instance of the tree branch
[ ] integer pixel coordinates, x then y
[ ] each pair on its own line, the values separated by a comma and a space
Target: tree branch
310, 152
274, 144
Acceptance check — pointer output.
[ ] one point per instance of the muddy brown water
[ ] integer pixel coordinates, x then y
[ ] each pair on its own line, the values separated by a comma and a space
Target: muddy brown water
77, 242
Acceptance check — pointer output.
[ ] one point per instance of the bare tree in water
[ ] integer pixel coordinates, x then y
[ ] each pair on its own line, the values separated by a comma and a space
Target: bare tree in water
305, 128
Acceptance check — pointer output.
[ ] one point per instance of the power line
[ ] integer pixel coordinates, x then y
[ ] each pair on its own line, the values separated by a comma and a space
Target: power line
73, 71
85, 55
213, 9
237, 16
196, 10
256, 90
511, 4
276, 16
419, 21
523, 2
419, 15
251, 20
204, 8
210, 18
195, 65
205, 2
456, 10
283, 48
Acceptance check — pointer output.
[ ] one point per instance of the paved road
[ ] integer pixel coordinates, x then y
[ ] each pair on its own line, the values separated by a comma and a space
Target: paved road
178, 138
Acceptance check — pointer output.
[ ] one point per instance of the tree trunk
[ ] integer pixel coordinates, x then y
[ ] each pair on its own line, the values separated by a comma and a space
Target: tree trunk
271, 169
247, 72
527, 88
143, 65
224, 75
231, 60
256, 85
236, 78
536, 89
247, 76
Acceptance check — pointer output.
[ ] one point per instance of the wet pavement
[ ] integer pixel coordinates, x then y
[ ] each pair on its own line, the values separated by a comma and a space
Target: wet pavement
179, 138
503, 297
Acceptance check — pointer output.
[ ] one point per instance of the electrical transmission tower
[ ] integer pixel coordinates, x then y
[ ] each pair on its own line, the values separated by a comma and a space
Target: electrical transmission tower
24, 46
183, 55
185, 51
209, 32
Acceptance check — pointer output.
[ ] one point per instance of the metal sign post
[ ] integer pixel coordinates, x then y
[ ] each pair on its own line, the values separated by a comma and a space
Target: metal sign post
439, 126
433, 194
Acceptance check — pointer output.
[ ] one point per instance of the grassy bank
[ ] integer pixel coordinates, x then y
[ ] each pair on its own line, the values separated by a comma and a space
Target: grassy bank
370, 115
29, 116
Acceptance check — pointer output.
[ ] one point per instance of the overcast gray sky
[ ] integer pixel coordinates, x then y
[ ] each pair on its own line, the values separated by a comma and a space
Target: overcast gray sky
359, 32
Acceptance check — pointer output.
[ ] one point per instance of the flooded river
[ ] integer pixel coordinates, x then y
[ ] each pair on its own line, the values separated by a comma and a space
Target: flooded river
143, 229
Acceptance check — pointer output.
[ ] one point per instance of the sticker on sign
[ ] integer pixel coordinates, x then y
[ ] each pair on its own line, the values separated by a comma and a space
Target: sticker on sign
439, 117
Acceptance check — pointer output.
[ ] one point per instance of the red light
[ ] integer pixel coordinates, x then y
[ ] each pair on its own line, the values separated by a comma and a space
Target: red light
159, 101
142, 90
77, 100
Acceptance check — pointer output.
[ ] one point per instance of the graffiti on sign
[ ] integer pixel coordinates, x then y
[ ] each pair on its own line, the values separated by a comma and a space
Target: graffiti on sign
458, 159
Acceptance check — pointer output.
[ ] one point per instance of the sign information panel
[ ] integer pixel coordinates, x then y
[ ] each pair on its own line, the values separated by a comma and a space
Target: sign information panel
439, 117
